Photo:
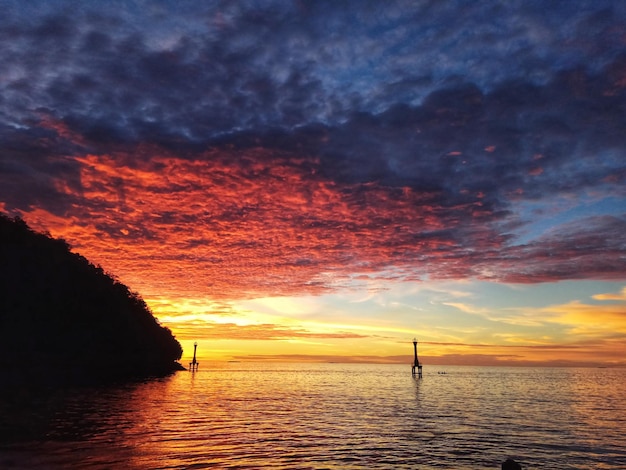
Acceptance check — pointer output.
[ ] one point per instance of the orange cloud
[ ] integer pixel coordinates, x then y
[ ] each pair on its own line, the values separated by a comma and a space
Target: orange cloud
230, 331
621, 296
240, 224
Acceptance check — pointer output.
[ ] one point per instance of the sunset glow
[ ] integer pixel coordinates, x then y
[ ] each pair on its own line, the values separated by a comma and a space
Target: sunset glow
297, 182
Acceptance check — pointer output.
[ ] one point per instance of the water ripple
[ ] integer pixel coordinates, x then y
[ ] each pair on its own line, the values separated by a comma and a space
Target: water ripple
326, 416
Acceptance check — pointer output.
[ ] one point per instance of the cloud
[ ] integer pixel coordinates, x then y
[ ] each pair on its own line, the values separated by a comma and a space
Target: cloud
586, 320
563, 137
322, 358
591, 247
258, 222
621, 296
248, 151
191, 329
145, 73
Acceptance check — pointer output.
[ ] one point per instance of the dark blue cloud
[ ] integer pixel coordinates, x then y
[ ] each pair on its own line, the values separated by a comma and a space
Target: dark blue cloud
228, 66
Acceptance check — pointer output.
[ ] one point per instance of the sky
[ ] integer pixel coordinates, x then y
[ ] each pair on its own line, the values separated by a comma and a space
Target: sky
325, 181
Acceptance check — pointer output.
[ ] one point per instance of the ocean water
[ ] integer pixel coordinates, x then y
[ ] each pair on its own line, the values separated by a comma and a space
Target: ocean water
326, 416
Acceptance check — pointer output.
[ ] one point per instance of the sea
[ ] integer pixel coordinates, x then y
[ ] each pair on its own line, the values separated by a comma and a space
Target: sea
324, 416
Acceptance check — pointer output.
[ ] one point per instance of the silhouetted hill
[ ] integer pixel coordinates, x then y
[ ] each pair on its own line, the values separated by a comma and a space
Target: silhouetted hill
62, 319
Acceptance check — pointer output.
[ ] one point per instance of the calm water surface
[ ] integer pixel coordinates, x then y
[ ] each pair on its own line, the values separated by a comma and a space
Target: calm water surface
331, 416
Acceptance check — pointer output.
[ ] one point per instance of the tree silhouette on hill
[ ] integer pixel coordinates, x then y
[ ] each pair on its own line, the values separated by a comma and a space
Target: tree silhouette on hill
62, 317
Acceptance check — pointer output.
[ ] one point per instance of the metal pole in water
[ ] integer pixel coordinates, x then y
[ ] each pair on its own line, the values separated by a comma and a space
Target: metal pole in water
193, 365
416, 363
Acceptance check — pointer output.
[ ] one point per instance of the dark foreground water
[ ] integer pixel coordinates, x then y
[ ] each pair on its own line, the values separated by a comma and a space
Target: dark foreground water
325, 416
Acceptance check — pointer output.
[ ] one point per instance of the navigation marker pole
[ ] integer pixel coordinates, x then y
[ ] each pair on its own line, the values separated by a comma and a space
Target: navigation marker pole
193, 365
416, 362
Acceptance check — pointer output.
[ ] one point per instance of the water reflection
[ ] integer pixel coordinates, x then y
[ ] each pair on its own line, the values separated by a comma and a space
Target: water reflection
325, 415
93, 420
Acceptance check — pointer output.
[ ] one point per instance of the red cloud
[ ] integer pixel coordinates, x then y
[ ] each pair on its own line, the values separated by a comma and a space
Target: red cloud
254, 223
245, 224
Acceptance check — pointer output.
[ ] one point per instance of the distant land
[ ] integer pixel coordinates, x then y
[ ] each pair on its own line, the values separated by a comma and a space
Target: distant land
64, 320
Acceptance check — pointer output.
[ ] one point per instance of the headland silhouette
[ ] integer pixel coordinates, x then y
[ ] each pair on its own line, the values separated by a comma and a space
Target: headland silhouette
64, 320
